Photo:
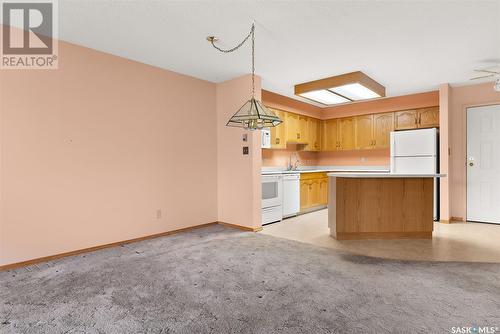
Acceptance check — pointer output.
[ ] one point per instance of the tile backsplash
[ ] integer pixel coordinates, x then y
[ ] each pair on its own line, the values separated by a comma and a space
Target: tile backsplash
280, 158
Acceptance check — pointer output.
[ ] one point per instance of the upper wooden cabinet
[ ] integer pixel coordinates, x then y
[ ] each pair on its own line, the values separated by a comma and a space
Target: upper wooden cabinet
329, 136
296, 129
302, 129
383, 124
278, 133
406, 119
417, 119
373, 131
346, 133
428, 117
363, 128
313, 135
292, 127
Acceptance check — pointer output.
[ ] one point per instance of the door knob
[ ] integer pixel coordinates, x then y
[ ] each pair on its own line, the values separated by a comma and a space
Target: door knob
471, 163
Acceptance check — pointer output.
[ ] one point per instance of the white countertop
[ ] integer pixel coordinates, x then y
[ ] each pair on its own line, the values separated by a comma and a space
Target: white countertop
384, 175
323, 169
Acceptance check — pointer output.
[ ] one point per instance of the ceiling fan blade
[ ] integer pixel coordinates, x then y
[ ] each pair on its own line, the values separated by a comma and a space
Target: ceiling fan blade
487, 71
483, 76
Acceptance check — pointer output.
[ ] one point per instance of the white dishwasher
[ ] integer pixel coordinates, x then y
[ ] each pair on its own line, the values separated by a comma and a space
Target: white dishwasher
291, 194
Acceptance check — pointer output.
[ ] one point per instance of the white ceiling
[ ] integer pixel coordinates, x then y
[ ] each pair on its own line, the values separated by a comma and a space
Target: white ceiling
407, 46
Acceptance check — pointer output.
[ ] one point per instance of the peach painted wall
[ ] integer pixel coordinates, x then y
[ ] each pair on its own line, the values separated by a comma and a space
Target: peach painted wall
380, 157
388, 104
91, 151
444, 145
281, 158
238, 176
460, 99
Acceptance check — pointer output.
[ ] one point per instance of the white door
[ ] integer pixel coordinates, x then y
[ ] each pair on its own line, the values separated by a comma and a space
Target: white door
483, 164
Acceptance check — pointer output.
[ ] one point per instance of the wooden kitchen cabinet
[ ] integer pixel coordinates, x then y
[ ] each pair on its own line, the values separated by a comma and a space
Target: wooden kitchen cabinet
313, 135
323, 191
292, 127
302, 129
330, 135
373, 131
304, 195
383, 124
406, 119
296, 129
313, 191
416, 119
278, 133
428, 117
363, 129
346, 133
349, 133
313, 199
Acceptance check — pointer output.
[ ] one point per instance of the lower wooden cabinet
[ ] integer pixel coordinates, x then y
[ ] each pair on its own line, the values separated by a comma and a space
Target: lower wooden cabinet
323, 191
313, 190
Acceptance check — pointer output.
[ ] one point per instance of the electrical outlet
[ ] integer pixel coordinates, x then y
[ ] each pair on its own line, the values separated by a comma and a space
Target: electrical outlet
245, 150
158, 214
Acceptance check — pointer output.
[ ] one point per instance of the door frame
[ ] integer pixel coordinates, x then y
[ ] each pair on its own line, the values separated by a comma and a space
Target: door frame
465, 109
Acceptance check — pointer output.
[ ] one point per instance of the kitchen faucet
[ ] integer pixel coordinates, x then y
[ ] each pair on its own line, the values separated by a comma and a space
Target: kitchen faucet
295, 165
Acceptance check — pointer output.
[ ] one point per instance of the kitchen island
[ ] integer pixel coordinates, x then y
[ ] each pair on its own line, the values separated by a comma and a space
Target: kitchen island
381, 205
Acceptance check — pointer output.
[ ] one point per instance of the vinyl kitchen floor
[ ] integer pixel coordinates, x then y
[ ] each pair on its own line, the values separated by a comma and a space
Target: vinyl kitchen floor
469, 242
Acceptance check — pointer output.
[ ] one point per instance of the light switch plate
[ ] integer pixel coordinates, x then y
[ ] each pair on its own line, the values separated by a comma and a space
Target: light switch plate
244, 137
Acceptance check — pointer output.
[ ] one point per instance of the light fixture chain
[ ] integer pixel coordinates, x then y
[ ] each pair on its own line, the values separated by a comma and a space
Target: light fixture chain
253, 59
251, 33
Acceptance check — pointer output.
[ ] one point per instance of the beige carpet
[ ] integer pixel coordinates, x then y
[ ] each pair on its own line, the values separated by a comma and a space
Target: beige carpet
219, 280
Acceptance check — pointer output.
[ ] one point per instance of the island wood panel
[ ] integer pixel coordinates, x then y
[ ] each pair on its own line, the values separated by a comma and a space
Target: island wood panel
379, 208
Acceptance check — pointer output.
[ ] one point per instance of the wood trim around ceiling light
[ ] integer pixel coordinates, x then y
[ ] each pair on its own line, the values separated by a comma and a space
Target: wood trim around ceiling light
340, 80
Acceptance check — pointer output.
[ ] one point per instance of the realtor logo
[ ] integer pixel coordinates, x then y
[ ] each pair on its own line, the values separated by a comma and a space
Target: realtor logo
28, 36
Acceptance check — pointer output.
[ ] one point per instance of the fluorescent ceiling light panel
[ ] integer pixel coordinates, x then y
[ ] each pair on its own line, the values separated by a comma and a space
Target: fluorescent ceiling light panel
324, 96
355, 91
347, 87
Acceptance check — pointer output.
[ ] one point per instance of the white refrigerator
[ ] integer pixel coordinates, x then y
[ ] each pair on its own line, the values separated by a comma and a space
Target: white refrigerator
417, 151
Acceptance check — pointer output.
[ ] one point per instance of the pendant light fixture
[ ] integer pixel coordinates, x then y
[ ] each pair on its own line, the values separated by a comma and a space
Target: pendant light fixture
253, 115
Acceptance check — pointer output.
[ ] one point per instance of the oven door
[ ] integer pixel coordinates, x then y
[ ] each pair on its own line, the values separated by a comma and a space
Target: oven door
271, 190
